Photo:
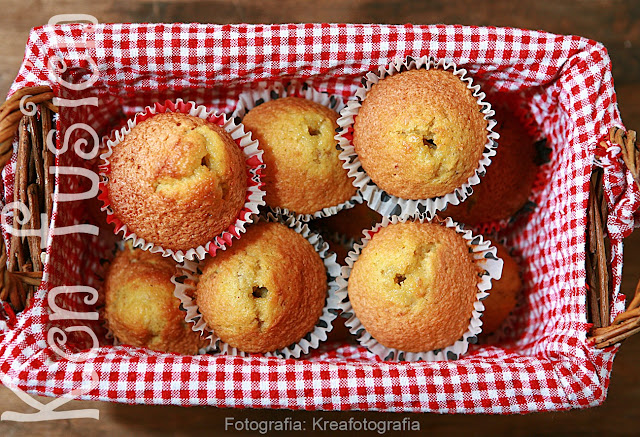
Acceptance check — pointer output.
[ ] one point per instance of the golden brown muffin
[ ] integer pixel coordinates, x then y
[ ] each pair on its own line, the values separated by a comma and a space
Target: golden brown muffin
265, 292
503, 294
420, 134
414, 285
349, 222
177, 181
304, 173
141, 309
507, 184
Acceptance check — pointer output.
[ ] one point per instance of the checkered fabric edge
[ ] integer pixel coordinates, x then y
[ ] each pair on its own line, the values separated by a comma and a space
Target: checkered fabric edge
544, 363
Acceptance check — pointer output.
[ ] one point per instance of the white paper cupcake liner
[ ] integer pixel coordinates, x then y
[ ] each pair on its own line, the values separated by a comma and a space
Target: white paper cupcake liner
264, 92
378, 199
341, 239
186, 281
254, 195
484, 255
509, 325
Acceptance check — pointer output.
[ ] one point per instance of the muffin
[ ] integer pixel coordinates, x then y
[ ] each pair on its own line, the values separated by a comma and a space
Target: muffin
414, 285
177, 181
140, 308
264, 293
420, 134
507, 184
503, 295
304, 173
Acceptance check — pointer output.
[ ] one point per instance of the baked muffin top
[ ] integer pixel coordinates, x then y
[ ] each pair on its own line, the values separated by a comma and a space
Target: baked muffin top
414, 285
420, 134
506, 186
140, 308
303, 171
265, 292
177, 181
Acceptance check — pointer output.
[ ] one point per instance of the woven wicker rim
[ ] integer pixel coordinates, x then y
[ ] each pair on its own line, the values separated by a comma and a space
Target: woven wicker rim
21, 269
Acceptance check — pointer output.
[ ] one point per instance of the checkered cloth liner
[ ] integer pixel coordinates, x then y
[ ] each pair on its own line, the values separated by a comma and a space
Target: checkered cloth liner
542, 362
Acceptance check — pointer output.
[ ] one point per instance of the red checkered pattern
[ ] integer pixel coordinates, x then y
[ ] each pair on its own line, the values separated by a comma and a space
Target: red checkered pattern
544, 363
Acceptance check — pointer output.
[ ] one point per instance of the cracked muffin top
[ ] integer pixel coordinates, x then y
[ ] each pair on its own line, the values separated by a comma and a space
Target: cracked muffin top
140, 308
177, 181
420, 134
265, 292
304, 172
414, 285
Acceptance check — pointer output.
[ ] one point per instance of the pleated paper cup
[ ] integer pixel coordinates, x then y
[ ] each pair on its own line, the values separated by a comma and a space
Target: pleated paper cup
484, 255
378, 199
254, 197
262, 93
186, 283
506, 332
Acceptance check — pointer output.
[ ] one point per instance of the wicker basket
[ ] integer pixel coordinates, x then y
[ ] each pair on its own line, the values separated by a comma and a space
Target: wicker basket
22, 266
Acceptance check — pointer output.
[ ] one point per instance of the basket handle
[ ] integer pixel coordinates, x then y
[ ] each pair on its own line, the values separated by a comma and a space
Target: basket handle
626, 324
21, 270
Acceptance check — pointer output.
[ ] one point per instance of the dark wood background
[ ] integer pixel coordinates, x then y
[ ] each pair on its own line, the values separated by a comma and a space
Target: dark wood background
616, 23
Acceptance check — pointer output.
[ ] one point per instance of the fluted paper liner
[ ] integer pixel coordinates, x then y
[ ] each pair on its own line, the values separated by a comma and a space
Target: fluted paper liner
508, 326
186, 281
378, 199
249, 99
254, 197
484, 255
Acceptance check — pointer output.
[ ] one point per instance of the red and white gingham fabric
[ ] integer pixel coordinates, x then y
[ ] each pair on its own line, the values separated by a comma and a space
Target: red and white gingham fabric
543, 363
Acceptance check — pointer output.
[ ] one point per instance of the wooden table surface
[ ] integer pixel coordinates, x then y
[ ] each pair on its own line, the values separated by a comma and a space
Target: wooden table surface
616, 23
